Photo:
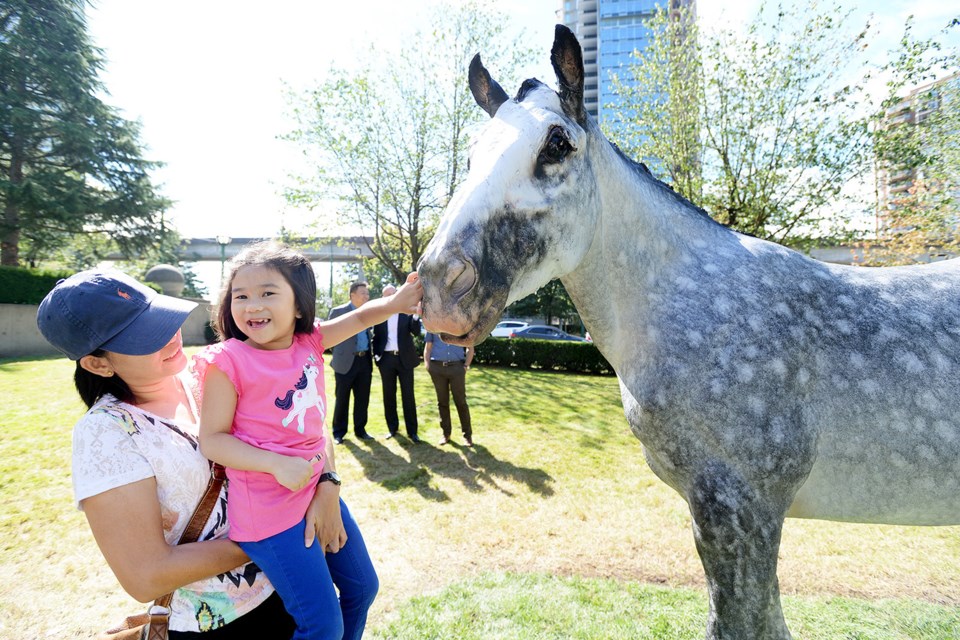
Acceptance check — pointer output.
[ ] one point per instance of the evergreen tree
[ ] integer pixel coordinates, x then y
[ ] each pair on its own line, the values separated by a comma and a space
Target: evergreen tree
69, 164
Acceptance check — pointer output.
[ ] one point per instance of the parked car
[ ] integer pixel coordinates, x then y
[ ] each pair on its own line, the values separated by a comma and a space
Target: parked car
544, 332
505, 327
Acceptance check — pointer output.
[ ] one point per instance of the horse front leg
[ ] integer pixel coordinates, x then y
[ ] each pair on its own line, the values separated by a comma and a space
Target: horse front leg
737, 532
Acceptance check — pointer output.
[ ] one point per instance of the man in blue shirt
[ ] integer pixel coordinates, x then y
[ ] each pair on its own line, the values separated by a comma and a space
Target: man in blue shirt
448, 366
352, 364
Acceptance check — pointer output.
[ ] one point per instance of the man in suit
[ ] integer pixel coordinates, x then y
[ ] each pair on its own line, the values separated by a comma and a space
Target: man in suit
352, 364
396, 357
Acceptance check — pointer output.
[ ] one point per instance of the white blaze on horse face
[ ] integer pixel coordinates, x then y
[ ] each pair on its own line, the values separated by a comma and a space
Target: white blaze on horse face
517, 221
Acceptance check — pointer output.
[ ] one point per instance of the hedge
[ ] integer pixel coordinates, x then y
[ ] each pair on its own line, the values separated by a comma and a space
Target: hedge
559, 355
19, 285
525, 353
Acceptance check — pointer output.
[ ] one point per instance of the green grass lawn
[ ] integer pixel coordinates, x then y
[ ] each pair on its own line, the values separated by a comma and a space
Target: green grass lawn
552, 526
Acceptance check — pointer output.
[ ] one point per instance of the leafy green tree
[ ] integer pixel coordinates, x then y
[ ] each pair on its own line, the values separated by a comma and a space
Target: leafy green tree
917, 154
69, 164
550, 302
389, 146
760, 129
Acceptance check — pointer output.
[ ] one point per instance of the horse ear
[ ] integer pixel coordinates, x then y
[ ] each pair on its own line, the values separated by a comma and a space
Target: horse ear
567, 59
488, 94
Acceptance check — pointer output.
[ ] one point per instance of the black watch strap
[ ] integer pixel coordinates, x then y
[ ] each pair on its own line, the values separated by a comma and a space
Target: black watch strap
330, 476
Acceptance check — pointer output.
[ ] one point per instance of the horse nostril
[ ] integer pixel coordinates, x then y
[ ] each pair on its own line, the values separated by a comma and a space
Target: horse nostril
461, 277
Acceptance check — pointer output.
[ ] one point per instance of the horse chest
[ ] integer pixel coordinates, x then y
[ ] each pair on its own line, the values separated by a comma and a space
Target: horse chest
686, 426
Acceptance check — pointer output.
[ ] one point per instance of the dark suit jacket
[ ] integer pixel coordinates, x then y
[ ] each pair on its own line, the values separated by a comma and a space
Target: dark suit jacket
407, 327
343, 353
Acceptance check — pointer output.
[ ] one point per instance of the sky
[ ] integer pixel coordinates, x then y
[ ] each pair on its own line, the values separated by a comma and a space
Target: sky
205, 80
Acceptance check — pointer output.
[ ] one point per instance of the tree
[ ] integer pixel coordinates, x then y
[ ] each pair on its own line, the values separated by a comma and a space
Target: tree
389, 145
917, 155
69, 164
551, 302
760, 129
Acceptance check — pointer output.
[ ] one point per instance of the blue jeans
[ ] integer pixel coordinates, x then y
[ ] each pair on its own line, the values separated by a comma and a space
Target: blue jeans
305, 579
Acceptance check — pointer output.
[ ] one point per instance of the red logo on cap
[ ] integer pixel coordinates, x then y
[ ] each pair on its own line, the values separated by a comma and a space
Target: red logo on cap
123, 294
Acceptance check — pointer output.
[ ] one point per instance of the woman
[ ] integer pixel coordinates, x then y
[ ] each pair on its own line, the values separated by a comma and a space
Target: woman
137, 470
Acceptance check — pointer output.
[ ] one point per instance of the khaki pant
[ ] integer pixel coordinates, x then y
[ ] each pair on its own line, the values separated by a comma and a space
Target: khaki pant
450, 378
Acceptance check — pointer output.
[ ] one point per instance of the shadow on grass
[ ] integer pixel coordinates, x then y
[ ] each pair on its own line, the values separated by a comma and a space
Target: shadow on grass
476, 468
551, 401
7, 361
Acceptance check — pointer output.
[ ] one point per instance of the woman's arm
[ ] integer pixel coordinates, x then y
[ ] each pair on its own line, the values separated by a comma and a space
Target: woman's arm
218, 443
128, 527
405, 300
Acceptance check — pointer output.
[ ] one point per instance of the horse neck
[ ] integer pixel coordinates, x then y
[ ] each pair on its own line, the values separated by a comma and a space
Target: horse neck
642, 232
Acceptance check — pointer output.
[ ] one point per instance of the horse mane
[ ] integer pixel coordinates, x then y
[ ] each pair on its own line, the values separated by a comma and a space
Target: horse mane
528, 85
302, 383
531, 84
644, 172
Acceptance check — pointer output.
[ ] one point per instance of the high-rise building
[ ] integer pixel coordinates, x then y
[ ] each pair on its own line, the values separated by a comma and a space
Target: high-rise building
914, 110
609, 32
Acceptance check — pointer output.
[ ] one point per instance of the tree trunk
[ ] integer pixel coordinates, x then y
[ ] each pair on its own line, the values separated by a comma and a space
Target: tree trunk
10, 242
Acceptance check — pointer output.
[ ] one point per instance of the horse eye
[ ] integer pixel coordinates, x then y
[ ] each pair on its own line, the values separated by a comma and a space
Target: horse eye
557, 147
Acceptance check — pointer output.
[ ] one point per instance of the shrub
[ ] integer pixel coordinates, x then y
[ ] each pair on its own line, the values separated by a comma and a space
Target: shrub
525, 353
561, 355
498, 352
19, 285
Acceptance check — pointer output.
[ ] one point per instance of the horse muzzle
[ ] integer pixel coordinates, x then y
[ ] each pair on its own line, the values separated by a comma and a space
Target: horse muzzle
456, 304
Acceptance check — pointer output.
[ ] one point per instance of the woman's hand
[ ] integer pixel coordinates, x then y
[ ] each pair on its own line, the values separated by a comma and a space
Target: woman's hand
323, 519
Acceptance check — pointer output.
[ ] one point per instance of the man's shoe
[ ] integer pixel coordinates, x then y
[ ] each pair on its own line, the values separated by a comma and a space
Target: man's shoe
444, 440
468, 441
415, 438
338, 440
365, 436
392, 434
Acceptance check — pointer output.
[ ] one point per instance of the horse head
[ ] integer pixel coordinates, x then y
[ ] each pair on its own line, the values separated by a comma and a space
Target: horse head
525, 213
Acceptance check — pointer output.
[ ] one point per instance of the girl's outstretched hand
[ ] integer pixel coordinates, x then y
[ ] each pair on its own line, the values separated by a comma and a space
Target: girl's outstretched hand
407, 298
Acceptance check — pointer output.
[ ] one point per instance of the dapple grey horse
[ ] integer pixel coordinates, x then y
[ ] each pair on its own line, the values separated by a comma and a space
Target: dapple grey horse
761, 383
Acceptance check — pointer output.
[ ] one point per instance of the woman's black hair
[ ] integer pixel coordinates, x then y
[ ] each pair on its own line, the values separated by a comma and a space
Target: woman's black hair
92, 387
295, 269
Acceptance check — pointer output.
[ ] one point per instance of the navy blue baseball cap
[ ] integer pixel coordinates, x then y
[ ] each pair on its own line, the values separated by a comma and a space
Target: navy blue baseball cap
107, 309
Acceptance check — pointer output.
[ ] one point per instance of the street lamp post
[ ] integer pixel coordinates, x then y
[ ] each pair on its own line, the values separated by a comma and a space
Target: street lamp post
223, 241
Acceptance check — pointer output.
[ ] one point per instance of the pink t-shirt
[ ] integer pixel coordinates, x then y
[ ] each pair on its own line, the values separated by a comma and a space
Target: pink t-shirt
281, 406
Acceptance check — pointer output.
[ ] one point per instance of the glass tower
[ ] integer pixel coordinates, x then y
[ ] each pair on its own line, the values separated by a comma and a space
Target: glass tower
609, 31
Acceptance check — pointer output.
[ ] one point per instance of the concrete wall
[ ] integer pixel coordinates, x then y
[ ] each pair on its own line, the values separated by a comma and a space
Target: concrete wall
19, 336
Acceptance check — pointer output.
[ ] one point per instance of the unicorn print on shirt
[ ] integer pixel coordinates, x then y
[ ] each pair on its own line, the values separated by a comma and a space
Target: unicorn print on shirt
303, 397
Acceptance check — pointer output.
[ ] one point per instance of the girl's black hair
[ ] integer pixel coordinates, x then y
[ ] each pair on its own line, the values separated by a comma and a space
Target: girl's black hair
291, 264
92, 387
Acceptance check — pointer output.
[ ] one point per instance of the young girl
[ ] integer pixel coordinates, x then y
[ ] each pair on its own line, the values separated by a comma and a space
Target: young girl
262, 417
